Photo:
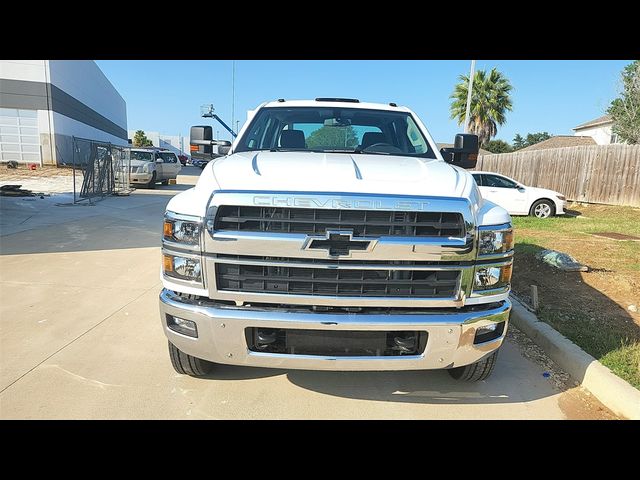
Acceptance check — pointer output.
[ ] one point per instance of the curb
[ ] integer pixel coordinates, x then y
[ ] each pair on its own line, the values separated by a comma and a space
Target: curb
616, 394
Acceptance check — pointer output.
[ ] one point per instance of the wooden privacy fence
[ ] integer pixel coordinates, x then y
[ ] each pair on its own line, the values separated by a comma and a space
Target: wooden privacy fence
591, 173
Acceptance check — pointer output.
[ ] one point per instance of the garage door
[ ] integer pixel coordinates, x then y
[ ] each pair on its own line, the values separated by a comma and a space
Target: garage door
19, 138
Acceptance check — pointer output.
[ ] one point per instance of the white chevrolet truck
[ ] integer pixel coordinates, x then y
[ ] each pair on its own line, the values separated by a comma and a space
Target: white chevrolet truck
335, 236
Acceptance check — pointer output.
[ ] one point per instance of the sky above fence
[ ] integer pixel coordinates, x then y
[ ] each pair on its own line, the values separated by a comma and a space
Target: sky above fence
551, 95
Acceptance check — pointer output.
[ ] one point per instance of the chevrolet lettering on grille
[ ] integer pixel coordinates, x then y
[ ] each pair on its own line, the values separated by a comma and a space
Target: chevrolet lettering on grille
339, 243
336, 203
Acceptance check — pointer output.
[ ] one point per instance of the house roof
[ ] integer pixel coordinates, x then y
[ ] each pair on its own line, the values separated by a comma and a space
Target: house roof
595, 122
560, 141
482, 151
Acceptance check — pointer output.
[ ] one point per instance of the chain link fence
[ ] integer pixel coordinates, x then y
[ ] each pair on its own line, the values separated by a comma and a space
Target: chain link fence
99, 169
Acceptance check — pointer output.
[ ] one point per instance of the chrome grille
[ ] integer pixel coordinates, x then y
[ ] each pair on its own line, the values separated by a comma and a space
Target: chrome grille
351, 282
312, 221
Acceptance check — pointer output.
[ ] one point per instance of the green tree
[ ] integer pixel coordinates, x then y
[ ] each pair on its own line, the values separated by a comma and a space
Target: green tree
625, 110
333, 137
498, 146
490, 101
140, 139
531, 139
519, 142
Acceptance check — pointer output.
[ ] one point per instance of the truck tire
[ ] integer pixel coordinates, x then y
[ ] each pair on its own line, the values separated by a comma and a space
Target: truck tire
188, 365
152, 182
476, 371
543, 209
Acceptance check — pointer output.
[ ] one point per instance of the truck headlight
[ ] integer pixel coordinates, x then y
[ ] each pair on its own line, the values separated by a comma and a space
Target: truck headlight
181, 231
495, 239
183, 268
489, 277
144, 168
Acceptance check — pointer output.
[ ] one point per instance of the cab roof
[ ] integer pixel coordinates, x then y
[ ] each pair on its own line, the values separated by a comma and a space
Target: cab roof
335, 103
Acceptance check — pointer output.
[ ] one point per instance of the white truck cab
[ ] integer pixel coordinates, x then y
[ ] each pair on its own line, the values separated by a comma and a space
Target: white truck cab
335, 236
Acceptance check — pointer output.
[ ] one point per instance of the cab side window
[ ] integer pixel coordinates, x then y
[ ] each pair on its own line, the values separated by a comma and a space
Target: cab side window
497, 182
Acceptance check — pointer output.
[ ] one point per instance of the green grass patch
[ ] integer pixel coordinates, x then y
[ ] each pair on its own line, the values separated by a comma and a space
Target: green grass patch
625, 362
612, 348
592, 219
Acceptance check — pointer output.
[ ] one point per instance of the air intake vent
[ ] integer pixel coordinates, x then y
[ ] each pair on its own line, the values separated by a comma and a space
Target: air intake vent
317, 221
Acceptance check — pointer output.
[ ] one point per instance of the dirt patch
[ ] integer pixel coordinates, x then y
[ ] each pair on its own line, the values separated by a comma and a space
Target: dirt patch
616, 236
579, 404
44, 179
601, 294
23, 172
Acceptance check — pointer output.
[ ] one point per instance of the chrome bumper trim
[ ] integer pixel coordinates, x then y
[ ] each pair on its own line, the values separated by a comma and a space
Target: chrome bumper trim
221, 337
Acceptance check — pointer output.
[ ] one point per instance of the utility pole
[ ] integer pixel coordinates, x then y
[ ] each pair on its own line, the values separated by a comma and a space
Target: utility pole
468, 113
233, 92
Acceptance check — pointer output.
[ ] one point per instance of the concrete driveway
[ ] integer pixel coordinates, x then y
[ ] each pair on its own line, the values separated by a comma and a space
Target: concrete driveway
81, 338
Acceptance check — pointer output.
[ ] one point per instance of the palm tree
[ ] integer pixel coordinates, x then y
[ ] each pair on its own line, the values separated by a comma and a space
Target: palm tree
489, 102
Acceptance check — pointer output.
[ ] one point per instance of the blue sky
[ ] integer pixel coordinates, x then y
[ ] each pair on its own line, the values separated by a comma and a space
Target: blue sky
548, 95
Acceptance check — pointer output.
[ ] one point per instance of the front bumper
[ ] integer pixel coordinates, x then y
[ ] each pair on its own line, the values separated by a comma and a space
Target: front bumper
561, 205
221, 335
140, 177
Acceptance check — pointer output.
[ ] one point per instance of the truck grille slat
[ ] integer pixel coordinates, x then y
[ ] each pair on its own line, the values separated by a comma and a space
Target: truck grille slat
312, 221
342, 283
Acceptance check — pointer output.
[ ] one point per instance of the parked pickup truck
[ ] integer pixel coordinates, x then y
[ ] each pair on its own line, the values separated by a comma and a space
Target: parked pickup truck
333, 236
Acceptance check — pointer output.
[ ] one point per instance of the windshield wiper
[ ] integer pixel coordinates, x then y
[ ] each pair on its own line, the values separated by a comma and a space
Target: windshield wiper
360, 150
282, 149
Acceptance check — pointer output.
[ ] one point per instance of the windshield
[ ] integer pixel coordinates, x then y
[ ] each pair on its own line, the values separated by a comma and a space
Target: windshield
146, 156
329, 129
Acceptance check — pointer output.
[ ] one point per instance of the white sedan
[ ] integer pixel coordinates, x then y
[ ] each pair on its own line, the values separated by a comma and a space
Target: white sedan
519, 199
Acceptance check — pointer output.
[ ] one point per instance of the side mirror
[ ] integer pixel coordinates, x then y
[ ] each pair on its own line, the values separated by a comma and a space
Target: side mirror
464, 153
201, 143
200, 140
159, 160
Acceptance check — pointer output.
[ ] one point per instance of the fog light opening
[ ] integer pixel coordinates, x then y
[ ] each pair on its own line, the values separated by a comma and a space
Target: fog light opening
265, 337
489, 332
405, 343
180, 325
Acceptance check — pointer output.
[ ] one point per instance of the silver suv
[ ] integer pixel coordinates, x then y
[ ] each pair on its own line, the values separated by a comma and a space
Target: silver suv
150, 166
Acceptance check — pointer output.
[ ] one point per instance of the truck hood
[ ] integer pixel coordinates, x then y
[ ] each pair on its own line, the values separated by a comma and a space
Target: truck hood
339, 172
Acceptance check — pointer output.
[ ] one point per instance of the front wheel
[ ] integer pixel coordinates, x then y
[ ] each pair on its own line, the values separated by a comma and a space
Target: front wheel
152, 182
543, 209
476, 371
188, 365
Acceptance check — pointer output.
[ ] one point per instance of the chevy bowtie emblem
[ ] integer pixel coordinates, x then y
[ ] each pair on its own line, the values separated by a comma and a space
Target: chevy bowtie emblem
339, 243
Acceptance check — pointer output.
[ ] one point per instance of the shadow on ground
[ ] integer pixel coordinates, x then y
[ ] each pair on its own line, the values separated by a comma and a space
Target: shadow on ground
513, 380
